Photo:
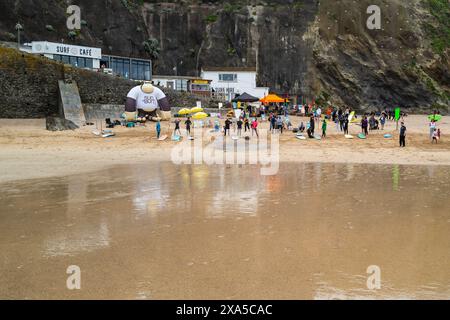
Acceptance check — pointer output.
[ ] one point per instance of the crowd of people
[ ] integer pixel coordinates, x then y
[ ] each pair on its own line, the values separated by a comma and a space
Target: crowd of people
279, 122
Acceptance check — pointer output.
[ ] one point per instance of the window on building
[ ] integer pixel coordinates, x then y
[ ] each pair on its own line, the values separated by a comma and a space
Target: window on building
134, 69
65, 59
228, 77
89, 63
81, 63
126, 70
141, 72
148, 75
182, 85
121, 66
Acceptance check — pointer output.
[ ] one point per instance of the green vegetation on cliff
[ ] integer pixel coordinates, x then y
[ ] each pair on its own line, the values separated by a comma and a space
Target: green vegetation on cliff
439, 33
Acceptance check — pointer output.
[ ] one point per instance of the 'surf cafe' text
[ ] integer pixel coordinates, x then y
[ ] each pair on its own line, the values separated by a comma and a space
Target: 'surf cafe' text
81, 51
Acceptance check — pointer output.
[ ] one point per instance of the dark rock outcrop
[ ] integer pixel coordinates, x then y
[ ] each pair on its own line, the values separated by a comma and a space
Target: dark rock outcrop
305, 47
60, 124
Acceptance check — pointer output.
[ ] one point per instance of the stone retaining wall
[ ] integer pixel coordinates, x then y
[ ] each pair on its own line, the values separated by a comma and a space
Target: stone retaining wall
29, 86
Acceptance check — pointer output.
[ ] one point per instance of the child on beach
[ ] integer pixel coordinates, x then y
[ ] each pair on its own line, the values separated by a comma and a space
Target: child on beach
324, 128
227, 127
279, 125
239, 126
177, 128
364, 126
255, 127
273, 122
158, 129
188, 124
432, 126
246, 125
383, 121
435, 136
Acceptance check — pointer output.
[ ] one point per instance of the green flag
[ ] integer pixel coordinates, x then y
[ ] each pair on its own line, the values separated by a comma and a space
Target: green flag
397, 114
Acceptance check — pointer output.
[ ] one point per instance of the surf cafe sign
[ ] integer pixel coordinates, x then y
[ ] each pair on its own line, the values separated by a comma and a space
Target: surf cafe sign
66, 50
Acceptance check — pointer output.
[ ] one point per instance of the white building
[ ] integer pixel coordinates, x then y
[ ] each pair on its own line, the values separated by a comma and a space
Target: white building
230, 82
195, 85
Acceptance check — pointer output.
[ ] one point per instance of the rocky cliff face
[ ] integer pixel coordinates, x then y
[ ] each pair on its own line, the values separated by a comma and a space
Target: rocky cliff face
313, 48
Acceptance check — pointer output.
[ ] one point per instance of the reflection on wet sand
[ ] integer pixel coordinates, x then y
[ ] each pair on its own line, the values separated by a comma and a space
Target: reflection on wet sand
165, 231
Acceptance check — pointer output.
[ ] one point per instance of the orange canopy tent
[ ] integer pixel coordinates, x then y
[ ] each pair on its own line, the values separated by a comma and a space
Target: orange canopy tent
272, 98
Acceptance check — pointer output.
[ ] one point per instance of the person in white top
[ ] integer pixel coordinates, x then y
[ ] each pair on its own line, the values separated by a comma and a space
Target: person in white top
432, 128
146, 99
318, 114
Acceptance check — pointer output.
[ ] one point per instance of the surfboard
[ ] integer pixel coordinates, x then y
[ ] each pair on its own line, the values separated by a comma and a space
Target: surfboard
176, 138
362, 136
162, 138
301, 137
108, 135
235, 138
318, 137
351, 116
388, 136
348, 136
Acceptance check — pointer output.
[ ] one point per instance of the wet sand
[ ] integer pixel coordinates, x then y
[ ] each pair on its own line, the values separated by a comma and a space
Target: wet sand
160, 231
141, 227
28, 151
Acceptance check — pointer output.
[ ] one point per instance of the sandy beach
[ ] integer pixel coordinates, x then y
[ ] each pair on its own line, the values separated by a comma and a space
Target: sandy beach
28, 151
141, 227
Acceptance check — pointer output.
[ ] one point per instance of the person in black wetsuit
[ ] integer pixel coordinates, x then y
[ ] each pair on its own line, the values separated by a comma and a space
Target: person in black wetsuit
403, 135
346, 124
239, 127
188, 124
364, 126
312, 125
227, 127
246, 124
177, 127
